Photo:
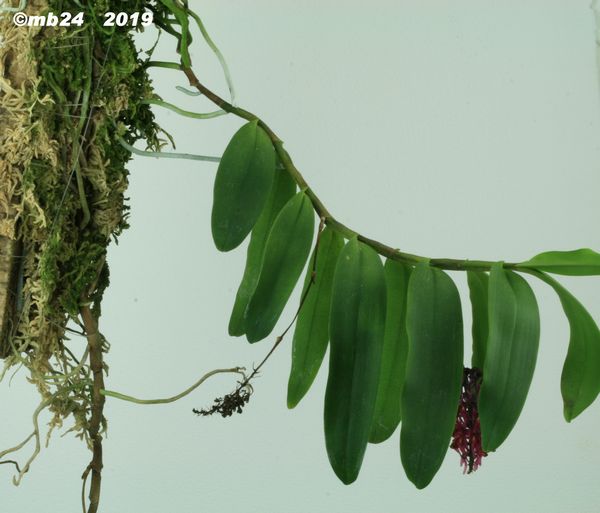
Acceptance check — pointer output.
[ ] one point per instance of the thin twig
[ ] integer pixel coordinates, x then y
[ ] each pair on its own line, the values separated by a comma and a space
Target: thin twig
95, 425
280, 338
11, 462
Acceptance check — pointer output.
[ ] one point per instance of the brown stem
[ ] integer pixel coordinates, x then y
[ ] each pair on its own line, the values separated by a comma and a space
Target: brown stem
94, 430
383, 249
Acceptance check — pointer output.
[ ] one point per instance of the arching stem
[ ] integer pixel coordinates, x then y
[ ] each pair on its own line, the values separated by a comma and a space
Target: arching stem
450, 264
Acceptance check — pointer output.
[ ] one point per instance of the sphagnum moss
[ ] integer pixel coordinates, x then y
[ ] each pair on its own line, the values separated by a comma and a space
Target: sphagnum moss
66, 95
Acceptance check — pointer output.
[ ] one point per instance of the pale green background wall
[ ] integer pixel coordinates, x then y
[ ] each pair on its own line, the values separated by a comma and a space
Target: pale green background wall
449, 128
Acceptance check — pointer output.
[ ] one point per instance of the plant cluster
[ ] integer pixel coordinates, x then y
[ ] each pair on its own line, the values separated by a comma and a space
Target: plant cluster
394, 331
72, 105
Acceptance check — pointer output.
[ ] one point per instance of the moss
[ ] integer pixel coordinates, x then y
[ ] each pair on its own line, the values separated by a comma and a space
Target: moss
83, 86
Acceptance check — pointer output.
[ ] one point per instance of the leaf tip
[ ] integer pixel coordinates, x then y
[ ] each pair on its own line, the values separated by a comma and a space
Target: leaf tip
224, 244
420, 483
292, 400
235, 329
253, 338
378, 434
568, 412
489, 443
346, 476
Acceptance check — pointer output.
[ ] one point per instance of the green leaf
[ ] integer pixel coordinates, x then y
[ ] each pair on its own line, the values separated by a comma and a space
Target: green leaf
434, 371
286, 251
282, 190
580, 380
514, 333
312, 326
356, 330
478, 291
581, 262
395, 350
242, 185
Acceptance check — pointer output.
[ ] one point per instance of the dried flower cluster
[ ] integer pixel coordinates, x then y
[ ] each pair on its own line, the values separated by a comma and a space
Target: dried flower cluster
466, 439
228, 405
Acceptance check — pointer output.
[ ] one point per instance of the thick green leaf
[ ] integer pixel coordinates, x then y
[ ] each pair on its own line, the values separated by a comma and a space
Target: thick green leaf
242, 185
356, 330
395, 349
478, 292
581, 262
312, 326
434, 371
514, 333
282, 190
580, 380
286, 252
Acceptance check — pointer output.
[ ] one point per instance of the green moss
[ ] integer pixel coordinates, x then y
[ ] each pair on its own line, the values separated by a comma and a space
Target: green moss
95, 79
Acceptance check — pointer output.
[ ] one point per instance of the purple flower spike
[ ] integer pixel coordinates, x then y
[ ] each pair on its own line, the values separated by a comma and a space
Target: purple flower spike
466, 439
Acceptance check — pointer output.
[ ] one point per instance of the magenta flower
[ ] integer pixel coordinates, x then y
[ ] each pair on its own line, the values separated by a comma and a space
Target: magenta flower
466, 439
